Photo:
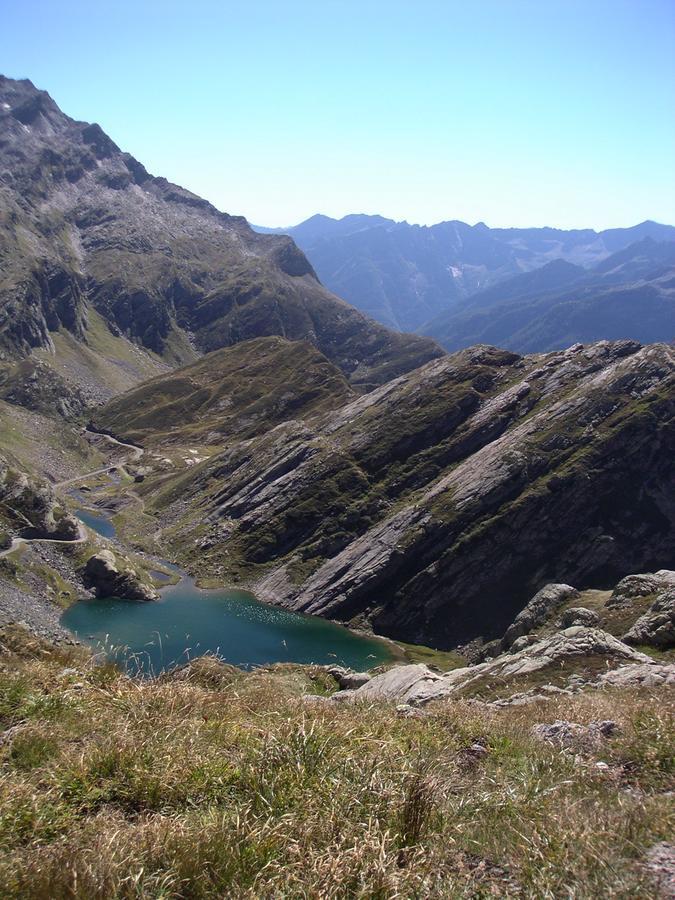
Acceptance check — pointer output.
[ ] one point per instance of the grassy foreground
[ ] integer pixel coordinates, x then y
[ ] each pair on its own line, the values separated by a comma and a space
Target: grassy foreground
222, 784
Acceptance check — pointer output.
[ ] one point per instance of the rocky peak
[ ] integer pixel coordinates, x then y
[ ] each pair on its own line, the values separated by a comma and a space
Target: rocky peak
162, 266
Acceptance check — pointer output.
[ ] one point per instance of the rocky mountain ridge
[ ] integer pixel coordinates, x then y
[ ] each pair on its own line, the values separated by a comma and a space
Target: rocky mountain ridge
404, 275
89, 238
383, 509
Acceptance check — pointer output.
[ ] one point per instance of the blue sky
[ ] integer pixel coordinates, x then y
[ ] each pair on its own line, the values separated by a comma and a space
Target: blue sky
513, 112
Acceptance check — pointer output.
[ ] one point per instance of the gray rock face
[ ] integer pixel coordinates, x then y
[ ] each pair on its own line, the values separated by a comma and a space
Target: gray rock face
572, 735
633, 586
398, 683
519, 644
102, 574
639, 675
540, 607
579, 615
417, 685
657, 627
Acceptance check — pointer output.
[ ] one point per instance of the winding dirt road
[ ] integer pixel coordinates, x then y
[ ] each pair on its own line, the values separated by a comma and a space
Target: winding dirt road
18, 541
136, 454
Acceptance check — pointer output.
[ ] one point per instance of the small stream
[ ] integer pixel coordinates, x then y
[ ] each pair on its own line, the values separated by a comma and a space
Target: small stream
150, 638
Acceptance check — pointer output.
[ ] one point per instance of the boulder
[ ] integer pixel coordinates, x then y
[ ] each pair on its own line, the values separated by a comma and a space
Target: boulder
537, 611
579, 615
572, 735
631, 587
394, 684
656, 628
347, 679
101, 573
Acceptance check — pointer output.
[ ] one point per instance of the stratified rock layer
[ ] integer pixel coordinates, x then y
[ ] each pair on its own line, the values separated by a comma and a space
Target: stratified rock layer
435, 506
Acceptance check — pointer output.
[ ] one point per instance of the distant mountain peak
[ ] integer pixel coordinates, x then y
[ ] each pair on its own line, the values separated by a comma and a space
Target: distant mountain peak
404, 275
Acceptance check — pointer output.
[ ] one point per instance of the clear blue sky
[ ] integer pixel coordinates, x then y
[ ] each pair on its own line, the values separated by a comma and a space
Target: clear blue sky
514, 112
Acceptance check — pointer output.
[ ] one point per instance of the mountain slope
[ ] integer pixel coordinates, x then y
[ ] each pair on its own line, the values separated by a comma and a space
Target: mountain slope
403, 275
433, 507
631, 294
85, 231
229, 394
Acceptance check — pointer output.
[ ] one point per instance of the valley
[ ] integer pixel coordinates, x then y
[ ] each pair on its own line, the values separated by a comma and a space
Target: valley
294, 603
259, 432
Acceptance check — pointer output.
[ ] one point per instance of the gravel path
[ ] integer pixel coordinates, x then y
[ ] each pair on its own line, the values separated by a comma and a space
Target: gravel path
34, 610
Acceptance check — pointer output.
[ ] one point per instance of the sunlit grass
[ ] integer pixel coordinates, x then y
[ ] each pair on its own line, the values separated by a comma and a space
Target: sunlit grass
212, 782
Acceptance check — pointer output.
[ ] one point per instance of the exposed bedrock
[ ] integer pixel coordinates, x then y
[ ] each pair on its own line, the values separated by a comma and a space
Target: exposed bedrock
581, 491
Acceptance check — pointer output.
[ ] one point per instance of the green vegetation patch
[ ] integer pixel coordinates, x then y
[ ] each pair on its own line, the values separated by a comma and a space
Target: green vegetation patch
212, 783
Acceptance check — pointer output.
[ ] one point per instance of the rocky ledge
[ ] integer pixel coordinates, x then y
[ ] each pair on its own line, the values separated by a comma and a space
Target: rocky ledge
110, 578
417, 685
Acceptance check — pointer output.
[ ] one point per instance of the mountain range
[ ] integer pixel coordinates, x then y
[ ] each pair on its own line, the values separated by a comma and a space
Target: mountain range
406, 275
295, 446
629, 294
95, 253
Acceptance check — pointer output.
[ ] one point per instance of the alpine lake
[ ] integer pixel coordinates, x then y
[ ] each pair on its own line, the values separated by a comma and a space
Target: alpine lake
188, 621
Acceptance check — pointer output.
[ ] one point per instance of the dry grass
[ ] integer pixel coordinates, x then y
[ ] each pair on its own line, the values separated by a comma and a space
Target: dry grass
222, 784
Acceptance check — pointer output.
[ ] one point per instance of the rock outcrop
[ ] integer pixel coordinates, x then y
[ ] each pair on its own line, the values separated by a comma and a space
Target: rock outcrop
574, 647
645, 675
436, 506
632, 587
656, 628
546, 601
103, 574
28, 506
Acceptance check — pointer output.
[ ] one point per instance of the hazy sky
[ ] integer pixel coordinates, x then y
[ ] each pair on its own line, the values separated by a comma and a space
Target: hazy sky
514, 112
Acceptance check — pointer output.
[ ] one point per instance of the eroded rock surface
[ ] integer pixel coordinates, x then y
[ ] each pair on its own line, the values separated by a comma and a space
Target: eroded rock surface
547, 600
656, 628
417, 684
103, 574
579, 615
639, 675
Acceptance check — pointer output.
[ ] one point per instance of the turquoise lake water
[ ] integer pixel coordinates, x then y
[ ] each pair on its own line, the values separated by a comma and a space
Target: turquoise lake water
98, 522
188, 622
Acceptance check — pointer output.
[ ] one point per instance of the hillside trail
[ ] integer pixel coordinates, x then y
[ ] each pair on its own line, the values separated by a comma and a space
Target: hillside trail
135, 454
